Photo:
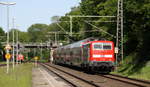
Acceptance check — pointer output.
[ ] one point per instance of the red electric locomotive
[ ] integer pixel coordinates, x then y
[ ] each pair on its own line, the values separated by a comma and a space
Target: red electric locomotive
93, 55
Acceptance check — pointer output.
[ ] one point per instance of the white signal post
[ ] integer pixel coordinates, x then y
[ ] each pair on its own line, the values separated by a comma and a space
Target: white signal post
7, 50
41, 50
13, 56
17, 48
7, 56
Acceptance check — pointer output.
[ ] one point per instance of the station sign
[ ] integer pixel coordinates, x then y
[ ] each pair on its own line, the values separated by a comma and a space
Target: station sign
116, 50
7, 56
20, 57
8, 47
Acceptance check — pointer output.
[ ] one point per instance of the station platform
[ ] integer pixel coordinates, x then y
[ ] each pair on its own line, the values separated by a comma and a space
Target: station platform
44, 78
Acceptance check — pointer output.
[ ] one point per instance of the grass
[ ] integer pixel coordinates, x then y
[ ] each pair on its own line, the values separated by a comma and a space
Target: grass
128, 69
143, 74
21, 76
4, 62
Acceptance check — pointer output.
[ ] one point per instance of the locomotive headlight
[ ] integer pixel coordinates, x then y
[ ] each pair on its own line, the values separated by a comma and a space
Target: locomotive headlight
97, 56
108, 55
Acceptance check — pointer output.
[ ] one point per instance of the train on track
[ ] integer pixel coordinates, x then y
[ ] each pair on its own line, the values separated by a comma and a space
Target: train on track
90, 54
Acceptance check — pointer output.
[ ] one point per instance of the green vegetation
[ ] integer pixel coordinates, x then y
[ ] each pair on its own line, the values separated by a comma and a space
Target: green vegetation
2, 39
130, 69
141, 74
3, 62
21, 76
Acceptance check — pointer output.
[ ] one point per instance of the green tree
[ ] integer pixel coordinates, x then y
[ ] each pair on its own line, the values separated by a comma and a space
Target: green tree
136, 26
23, 37
37, 32
2, 39
2, 35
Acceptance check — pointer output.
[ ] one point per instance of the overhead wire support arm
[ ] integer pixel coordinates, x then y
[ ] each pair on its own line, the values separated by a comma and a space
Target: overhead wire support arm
101, 29
83, 16
61, 28
68, 36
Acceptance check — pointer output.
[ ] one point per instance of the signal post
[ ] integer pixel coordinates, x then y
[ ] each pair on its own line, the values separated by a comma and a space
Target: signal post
36, 59
7, 56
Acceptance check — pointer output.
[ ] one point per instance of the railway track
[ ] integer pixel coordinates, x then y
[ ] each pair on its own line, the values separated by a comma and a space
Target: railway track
101, 80
74, 80
137, 82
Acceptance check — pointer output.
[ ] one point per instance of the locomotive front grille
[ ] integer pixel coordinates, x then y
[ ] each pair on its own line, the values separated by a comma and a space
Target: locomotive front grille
102, 63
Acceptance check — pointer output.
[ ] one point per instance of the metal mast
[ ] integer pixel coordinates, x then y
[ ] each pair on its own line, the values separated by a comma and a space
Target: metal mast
13, 44
119, 34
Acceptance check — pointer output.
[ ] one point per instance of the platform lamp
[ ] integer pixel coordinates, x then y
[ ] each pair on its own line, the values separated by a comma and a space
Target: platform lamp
7, 46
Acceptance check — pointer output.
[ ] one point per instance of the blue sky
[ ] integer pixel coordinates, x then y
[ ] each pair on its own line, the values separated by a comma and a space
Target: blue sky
28, 12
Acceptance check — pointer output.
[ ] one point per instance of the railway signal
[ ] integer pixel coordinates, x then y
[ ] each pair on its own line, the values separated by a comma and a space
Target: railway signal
7, 55
36, 58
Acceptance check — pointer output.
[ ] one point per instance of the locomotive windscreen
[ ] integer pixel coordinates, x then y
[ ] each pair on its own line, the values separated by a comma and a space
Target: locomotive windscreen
102, 46
107, 46
97, 46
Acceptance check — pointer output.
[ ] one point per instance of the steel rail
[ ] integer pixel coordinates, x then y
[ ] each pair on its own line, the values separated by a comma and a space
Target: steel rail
140, 80
136, 82
74, 85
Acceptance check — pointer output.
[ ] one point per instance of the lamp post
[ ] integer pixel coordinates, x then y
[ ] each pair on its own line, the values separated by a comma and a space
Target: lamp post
7, 4
7, 50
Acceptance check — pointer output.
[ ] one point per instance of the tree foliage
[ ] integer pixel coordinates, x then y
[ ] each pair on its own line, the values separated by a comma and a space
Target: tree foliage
2, 35
2, 39
23, 37
37, 32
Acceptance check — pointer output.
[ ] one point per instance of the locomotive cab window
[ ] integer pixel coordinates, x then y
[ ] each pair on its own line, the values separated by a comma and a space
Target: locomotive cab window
107, 46
98, 46
102, 46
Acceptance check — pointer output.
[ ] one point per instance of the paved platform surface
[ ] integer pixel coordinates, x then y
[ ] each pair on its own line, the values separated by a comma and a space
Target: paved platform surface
43, 78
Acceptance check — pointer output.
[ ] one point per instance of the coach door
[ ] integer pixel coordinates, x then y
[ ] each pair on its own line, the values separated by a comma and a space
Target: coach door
86, 52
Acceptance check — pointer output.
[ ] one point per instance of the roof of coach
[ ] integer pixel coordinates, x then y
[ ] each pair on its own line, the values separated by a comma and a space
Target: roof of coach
101, 41
97, 41
83, 42
77, 44
80, 43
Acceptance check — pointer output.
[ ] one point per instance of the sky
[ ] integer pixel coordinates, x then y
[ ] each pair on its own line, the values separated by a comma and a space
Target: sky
28, 12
